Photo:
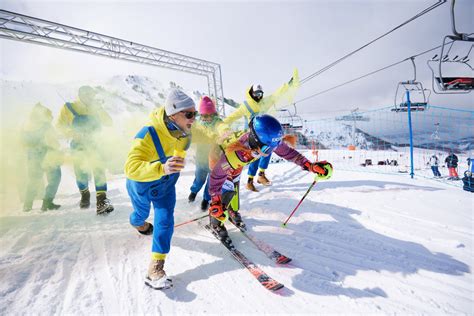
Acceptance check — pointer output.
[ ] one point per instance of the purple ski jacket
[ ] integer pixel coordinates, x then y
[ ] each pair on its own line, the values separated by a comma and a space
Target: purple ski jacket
223, 170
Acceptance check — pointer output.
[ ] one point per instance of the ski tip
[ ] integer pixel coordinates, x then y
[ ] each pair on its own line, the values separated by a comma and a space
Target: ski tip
276, 287
283, 260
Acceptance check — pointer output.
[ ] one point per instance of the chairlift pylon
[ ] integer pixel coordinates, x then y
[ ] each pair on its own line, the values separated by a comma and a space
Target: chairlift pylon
419, 95
452, 84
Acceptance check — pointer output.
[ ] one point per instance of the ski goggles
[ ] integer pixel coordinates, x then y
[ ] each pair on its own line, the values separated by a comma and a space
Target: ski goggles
258, 148
190, 114
258, 94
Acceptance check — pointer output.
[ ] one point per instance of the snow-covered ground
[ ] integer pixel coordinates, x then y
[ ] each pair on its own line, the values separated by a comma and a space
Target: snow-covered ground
361, 243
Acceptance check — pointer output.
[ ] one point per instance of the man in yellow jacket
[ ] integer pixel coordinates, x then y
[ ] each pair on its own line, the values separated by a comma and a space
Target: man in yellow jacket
255, 103
152, 169
81, 121
44, 156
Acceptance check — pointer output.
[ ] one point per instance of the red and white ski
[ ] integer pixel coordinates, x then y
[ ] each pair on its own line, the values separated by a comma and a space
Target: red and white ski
267, 249
264, 279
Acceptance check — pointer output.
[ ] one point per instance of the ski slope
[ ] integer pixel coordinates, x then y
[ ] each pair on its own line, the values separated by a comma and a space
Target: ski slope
361, 244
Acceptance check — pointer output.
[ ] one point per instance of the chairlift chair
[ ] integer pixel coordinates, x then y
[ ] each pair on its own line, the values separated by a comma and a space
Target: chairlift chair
290, 122
419, 96
452, 84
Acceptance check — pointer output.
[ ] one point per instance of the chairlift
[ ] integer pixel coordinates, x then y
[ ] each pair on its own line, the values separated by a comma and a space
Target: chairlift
419, 96
452, 84
290, 122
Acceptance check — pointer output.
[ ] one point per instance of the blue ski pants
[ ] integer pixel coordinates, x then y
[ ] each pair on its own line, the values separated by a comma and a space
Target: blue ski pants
35, 175
261, 163
201, 176
162, 193
435, 170
80, 154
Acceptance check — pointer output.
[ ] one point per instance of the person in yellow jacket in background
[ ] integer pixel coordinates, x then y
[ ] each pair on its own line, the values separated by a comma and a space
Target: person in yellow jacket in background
255, 103
152, 169
41, 142
82, 121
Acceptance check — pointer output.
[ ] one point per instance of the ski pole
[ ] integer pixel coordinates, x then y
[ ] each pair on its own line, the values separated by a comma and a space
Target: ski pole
191, 220
301, 201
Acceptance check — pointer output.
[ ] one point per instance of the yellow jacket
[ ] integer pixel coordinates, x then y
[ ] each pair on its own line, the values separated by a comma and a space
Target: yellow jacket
38, 134
284, 94
66, 118
143, 163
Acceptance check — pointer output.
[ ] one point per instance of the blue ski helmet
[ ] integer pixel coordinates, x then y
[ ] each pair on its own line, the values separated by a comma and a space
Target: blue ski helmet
265, 132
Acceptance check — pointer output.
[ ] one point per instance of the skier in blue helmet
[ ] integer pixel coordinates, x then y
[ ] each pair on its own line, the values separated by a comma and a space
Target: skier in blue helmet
266, 133
227, 160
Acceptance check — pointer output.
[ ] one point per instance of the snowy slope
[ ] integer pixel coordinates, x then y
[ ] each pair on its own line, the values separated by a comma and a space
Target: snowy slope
361, 243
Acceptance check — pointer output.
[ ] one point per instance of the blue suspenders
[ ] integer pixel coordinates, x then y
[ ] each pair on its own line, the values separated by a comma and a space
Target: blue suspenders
156, 141
252, 113
69, 106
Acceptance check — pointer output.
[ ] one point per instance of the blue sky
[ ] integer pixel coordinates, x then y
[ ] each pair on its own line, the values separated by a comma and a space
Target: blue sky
254, 41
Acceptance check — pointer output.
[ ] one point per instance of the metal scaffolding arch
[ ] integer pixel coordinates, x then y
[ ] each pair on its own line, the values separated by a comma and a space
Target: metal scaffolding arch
19, 27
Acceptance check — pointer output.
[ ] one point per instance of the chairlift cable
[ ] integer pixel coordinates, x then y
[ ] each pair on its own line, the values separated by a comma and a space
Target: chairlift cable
371, 73
306, 79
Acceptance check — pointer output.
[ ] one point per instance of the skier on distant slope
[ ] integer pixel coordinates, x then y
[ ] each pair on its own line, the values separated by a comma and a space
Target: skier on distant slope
152, 169
264, 136
452, 163
255, 103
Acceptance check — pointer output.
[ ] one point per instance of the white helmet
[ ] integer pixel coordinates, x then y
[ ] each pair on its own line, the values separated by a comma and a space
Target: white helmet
257, 87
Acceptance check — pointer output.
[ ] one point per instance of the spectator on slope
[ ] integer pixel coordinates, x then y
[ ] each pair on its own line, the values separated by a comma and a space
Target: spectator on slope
82, 121
470, 166
240, 149
255, 103
434, 163
152, 169
44, 157
208, 118
452, 163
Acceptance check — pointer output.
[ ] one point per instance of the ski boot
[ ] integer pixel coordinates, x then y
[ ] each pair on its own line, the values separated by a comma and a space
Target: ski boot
250, 185
85, 199
219, 230
49, 205
262, 179
204, 205
191, 197
145, 229
156, 277
103, 204
236, 219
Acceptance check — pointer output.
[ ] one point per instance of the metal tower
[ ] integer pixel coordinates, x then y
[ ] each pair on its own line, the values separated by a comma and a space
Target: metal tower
28, 29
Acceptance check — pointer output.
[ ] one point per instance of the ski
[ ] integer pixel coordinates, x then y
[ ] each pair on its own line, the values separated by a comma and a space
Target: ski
260, 275
267, 249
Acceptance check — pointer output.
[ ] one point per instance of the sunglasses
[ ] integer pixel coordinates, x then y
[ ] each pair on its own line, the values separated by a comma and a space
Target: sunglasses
189, 115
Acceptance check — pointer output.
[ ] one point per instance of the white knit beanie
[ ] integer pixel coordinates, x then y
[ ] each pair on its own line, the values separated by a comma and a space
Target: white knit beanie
177, 101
